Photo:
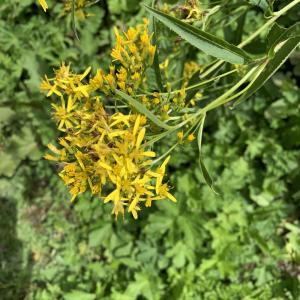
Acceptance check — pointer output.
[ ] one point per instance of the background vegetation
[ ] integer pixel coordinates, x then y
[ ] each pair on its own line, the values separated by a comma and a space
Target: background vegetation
243, 244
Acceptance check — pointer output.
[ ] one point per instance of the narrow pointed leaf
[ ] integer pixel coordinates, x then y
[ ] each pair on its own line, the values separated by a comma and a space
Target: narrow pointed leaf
273, 34
202, 40
73, 20
271, 66
143, 110
193, 80
204, 171
285, 34
155, 65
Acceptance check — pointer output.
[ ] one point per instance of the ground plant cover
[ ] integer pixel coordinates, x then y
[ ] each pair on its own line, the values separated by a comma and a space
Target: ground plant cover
149, 149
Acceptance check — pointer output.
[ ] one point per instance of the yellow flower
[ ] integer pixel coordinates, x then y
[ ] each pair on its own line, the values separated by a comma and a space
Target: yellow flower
180, 135
163, 191
44, 5
191, 137
116, 54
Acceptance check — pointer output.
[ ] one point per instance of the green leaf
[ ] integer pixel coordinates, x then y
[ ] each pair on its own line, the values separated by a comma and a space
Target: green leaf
74, 20
79, 295
261, 243
271, 66
99, 236
193, 80
17, 148
202, 40
204, 171
275, 31
283, 35
155, 65
143, 110
6, 113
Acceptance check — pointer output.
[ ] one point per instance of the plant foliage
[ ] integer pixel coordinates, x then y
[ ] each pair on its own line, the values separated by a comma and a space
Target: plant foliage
240, 243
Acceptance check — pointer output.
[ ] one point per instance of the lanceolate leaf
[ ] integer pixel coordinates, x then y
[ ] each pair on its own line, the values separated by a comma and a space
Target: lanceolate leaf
156, 58
285, 34
73, 20
272, 65
193, 80
204, 171
202, 40
142, 109
273, 34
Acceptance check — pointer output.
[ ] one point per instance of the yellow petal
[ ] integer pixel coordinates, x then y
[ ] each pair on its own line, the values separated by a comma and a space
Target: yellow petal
44, 5
140, 137
163, 165
83, 90
136, 124
158, 184
104, 165
134, 203
53, 148
86, 72
50, 157
70, 104
153, 174
134, 214
148, 202
116, 133
79, 160
114, 195
149, 153
171, 197
73, 198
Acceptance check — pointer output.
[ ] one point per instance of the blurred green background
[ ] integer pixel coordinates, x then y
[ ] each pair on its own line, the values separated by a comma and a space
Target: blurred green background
242, 245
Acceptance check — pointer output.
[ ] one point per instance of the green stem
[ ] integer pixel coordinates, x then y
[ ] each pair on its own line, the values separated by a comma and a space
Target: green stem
255, 34
224, 98
194, 86
267, 24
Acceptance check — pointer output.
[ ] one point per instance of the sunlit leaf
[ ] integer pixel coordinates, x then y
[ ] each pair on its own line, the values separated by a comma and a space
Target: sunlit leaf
204, 171
202, 40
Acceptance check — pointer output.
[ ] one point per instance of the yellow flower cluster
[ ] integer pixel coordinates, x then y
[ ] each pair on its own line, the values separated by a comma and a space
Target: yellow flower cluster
180, 135
134, 53
104, 150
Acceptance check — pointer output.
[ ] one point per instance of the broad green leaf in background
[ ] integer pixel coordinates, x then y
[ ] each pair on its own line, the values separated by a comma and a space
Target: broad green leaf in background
17, 148
271, 66
142, 109
202, 40
79, 295
261, 243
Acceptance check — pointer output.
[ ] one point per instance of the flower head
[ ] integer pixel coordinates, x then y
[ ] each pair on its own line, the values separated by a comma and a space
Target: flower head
105, 151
